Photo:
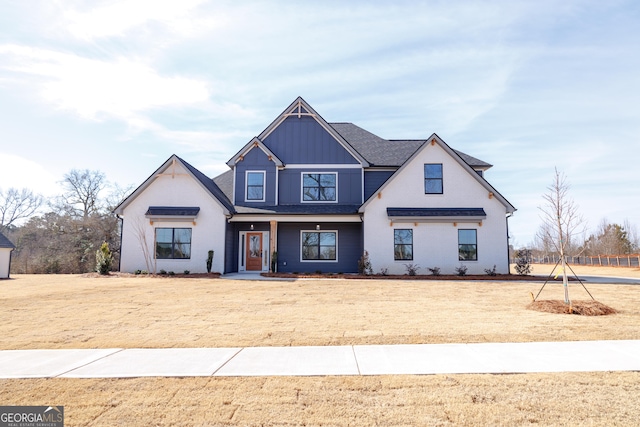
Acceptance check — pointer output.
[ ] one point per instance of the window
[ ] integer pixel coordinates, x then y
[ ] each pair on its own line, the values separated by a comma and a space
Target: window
433, 178
173, 243
255, 186
319, 246
467, 245
319, 187
403, 245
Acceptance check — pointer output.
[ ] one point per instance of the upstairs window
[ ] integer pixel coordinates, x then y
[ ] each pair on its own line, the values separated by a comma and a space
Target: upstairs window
467, 245
403, 245
319, 187
255, 187
173, 243
433, 178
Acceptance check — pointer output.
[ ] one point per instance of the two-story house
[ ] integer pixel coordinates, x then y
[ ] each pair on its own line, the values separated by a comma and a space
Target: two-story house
307, 195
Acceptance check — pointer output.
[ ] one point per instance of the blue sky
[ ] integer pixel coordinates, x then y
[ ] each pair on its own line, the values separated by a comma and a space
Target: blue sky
119, 86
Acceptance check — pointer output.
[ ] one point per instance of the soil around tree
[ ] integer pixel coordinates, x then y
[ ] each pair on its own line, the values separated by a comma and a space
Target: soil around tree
583, 308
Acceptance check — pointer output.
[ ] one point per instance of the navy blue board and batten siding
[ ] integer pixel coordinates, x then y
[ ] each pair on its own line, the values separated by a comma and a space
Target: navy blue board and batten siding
256, 160
304, 141
349, 248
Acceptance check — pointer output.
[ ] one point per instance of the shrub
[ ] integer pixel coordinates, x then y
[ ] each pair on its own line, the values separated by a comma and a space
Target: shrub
171, 273
144, 272
523, 263
462, 270
364, 264
104, 258
162, 272
412, 269
137, 272
187, 272
491, 272
274, 261
384, 272
209, 261
435, 271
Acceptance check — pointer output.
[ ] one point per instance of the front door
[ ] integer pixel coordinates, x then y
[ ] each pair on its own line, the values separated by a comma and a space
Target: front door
254, 251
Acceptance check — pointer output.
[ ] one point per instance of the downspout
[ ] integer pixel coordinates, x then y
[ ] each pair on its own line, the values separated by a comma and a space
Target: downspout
121, 230
9, 269
509, 215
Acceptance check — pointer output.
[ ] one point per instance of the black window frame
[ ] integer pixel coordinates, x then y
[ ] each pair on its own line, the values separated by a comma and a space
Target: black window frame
248, 186
429, 179
304, 255
174, 246
401, 245
306, 188
461, 246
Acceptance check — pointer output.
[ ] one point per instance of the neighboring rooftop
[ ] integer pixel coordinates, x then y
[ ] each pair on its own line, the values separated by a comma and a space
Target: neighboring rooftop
5, 242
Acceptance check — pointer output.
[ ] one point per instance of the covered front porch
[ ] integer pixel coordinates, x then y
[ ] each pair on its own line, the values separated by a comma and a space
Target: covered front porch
294, 243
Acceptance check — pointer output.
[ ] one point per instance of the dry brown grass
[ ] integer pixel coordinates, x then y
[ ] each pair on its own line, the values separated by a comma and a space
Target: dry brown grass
84, 312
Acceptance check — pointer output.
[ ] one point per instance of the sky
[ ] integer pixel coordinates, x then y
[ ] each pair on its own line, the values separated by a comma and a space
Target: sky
528, 86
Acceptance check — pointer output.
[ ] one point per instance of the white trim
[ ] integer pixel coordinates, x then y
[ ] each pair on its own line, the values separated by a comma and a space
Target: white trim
296, 218
302, 174
323, 166
246, 186
319, 260
242, 250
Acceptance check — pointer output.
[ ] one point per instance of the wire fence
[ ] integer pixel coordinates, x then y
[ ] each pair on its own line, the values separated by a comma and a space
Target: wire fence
632, 260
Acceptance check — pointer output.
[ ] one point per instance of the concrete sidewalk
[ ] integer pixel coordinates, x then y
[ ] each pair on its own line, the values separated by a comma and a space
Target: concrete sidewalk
419, 359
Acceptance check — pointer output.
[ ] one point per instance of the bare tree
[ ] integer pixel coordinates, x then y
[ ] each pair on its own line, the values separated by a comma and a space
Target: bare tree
16, 205
562, 222
82, 191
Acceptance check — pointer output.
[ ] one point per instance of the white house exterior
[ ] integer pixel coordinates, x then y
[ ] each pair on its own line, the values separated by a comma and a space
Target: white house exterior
171, 186
5, 256
433, 220
307, 195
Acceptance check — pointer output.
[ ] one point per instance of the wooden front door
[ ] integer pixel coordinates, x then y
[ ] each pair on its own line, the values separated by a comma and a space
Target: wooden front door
254, 251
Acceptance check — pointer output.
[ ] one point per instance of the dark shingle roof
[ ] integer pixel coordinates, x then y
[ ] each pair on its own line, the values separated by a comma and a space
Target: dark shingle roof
5, 243
209, 185
173, 210
225, 183
436, 212
305, 209
382, 152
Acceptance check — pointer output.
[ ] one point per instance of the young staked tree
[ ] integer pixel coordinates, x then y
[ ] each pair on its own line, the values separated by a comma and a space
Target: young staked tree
561, 222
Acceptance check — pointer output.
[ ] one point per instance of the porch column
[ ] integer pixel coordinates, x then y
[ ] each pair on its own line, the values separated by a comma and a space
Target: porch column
273, 237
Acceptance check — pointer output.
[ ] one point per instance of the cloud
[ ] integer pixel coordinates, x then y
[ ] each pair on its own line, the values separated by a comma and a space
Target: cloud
117, 19
96, 89
18, 172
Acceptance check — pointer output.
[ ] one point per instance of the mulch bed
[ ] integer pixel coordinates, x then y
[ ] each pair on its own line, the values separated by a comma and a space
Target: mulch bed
501, 277
584, 308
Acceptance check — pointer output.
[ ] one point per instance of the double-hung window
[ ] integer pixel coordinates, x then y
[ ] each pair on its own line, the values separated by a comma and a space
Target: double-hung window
403, 245
433, 178
319, 187
319, 246
255, 186
173, 243
467, 245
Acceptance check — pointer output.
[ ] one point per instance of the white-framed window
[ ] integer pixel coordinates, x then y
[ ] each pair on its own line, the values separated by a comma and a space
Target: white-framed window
403, 244
173, 243
433, 178
319, 187
319, 245
467, 245
255, 181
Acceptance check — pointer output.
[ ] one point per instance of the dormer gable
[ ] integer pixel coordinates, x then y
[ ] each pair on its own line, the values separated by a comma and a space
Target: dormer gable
175, 167
299, 135
436, 187
255, 143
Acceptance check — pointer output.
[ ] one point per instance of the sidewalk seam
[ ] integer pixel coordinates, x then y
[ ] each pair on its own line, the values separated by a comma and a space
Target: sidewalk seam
227, 361
89, 363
